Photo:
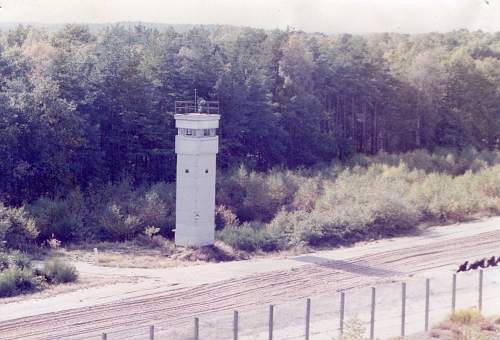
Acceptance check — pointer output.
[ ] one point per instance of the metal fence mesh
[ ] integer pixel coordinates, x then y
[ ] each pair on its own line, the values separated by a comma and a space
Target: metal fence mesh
289, 319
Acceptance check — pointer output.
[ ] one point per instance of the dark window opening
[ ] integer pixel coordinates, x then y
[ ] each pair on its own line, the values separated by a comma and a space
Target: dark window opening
206, 171
187, 171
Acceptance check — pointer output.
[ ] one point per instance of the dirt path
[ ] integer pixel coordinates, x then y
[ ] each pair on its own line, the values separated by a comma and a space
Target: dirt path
173, 296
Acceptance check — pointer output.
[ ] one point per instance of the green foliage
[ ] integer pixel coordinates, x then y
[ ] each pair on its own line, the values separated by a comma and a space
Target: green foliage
16, 280
256, 196
383, 197
115, 212
57, 271
224, 217
19, 260
118, 224
16, 275
17, 230
127, 211
4, 261
61, 219
83, 108
249, 237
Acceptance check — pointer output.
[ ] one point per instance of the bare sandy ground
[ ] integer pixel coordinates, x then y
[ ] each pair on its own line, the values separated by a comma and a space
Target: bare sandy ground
170, 298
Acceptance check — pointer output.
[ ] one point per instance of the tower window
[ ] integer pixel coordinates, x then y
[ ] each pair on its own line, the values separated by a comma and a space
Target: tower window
186, 171
206, 171
208, 132
189, 132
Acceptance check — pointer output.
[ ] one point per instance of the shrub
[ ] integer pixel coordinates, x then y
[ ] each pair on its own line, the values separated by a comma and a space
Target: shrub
307, 195
15, 281
62, 219
19, 260
224, 217
4, 261
151, 231
242, 238
57, 271
122, 212
256, 196
249, 237
17, 230
354, 329
466, 316
375, 201
119, 225
156, 206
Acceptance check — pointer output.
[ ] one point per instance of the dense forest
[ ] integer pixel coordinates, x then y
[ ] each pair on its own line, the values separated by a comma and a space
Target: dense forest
81, 108
324, 138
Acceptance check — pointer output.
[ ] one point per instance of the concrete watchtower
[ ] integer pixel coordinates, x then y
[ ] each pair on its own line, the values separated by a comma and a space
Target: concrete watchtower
196, 146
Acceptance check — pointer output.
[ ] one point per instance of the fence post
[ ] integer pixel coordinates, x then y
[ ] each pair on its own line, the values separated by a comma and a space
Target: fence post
454, 293
196, 329
372, 318
342, 308
427, 301
104, 336
271, 321
308, 317
96, 256
235, 325
151, 332
403, 308
480, 302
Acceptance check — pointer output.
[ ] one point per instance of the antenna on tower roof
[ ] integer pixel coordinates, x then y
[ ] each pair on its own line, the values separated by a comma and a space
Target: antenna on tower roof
195, 101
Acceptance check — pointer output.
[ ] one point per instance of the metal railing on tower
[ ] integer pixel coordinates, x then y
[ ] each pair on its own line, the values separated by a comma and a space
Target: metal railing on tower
197, 106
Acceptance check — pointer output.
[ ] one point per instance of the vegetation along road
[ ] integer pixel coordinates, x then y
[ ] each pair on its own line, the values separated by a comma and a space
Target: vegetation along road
170, 297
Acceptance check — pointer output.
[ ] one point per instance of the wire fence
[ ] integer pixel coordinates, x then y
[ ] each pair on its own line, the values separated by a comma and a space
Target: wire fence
388, 310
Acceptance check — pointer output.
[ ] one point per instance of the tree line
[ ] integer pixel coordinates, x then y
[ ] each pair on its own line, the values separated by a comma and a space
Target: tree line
83, 108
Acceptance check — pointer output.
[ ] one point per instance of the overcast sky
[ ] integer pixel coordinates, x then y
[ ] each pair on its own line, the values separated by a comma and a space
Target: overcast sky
330, 16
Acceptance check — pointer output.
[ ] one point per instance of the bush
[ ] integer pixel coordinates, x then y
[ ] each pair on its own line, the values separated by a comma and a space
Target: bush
17, 230
57, 271
384, 201
156, 206
122, 212
119, 225
354, 329
18, 260
249, 237
62, 219
224, 217
444, 198
15, 281
466, 316
4, 261
256, 196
